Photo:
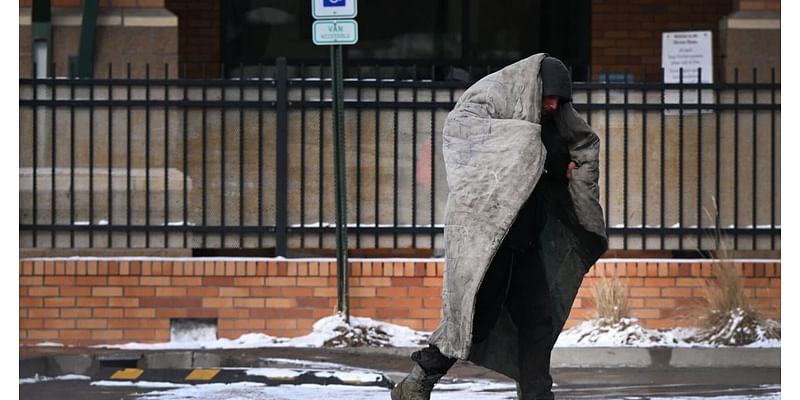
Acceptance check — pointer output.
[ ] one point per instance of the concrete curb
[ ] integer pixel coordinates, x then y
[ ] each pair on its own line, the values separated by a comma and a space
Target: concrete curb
731, 357
639, 357
88, 362
665, 357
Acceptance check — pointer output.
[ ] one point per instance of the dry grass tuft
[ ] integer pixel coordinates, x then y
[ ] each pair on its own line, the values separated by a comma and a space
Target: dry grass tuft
359, 336
611, 300
730, 318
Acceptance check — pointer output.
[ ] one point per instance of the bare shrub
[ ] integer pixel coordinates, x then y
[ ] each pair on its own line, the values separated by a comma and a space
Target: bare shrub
729, 317
611, 300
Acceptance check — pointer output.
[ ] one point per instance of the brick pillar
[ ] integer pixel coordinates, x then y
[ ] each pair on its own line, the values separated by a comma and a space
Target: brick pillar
750, 38
198, 36
138, 32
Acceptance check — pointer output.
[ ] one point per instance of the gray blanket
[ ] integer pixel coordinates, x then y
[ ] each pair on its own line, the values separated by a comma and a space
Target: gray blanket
494, 158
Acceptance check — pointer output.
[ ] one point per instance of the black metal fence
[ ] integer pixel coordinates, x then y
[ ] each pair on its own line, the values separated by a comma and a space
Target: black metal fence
247, 162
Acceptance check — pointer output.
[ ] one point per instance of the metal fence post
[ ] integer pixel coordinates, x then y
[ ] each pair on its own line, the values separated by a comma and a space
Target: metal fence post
281, 150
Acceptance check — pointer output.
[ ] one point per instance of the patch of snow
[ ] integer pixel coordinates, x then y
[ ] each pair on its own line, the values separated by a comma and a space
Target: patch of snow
105, 222
246, 341
49, 344
477, 386
274, 373
769, 396
351, 377
474, 390
37, 378
333, 332
363, 225
301, 363
740, 327
258, 391
711, 226
628, 333
329, 332
319, 369
143, 384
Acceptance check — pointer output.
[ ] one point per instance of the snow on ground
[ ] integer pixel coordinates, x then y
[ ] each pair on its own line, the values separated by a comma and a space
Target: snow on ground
625, 333
472, 390
771, 396
333, 332
344, 373
297, 363
49, 344
628, 333
327, 332
148, 384
274, 373
351, 377
37, 378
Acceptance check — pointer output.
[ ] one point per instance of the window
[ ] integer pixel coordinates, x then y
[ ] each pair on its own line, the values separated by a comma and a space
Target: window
477, 33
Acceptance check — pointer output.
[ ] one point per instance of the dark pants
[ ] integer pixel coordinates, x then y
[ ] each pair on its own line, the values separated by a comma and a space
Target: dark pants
515, 281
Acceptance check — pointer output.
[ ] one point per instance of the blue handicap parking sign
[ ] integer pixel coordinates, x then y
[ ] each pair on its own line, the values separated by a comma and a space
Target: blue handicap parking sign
334, 3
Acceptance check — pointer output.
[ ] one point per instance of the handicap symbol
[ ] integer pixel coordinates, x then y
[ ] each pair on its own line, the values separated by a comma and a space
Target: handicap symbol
334, 3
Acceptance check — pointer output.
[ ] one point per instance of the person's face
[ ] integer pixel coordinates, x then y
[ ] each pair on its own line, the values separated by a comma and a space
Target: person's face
549, 104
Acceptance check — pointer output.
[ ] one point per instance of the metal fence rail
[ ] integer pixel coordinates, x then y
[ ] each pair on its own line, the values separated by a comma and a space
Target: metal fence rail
161, 162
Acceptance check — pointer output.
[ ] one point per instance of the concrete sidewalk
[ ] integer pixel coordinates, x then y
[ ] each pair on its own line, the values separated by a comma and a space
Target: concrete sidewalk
48, 361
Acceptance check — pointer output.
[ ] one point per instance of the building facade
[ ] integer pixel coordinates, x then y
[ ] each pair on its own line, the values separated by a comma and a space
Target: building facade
598, 36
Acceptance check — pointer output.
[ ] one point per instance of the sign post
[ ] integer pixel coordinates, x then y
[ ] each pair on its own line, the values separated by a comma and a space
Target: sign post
334, 29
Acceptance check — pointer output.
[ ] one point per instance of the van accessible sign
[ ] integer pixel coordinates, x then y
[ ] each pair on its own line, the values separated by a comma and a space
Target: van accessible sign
689, 50
333, 26
333, 32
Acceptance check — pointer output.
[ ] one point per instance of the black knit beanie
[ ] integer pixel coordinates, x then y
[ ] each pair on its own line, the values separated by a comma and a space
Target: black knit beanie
555, 79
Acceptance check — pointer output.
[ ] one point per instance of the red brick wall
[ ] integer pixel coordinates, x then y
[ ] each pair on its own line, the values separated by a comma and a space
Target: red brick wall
199, 33
627, 34
90, 301
668, 293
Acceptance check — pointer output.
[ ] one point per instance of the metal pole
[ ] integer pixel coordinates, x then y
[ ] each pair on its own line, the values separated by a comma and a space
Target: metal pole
343, 306
282, 164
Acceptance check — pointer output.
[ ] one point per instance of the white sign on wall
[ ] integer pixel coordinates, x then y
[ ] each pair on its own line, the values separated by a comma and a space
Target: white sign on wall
692, 51
688, 50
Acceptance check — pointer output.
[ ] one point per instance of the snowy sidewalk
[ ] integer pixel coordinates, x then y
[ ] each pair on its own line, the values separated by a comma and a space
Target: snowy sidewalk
355, 369
587, 345
59, 361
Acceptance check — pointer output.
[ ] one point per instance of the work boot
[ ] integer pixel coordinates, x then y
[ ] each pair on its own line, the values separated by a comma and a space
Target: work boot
418, 385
